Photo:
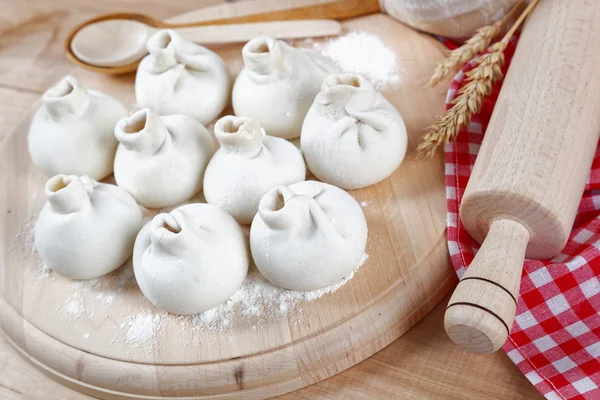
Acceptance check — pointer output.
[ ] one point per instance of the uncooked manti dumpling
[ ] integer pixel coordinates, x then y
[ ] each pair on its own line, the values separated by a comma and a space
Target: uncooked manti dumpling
352, 136
248, 164
86, 229
278, 84
190, 260
307, 236
181, 77
72, 132
161, 160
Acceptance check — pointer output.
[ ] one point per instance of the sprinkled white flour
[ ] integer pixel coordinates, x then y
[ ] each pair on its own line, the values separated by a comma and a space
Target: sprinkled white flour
23, 243
141, 327
75, 307
256, 302
364, 53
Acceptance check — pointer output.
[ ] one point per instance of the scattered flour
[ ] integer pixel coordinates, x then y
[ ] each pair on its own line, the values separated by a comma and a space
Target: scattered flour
365, 203
364, 53
23, 243
141, 328
256, 302
75, 307
105, 300
258, 299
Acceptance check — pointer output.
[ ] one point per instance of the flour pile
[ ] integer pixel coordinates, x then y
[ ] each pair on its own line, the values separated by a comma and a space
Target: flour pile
363, 53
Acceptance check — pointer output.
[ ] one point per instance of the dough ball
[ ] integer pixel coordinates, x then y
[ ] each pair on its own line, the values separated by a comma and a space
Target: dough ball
72, 131
160, 161
308, 235
248, 164
181, 77
278, 84
457, 19
352, 136
190, 260
86, 229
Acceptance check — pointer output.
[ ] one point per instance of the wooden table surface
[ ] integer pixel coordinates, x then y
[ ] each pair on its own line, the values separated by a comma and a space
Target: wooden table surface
423, 364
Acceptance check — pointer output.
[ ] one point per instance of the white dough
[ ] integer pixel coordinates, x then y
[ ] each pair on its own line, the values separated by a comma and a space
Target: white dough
190, 260
352, 136
86, 229
160, 161
307, 236
248, 164
181, 77
278, 84
72, 132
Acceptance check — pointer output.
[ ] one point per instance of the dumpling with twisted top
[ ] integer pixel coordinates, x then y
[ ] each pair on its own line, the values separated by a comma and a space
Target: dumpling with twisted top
352, 136
278, 84
181, 77
308, 235
72, 131
160, 161
86, 229
190, 260
248, 164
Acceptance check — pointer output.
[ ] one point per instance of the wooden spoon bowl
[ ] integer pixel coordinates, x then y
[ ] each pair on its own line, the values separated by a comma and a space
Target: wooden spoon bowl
333, 9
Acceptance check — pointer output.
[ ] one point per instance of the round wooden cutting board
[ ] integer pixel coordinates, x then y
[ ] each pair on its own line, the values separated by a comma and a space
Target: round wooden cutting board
103, 338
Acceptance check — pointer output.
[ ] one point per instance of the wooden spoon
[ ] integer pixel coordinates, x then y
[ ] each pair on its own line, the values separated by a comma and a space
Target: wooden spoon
130, 31
121, 42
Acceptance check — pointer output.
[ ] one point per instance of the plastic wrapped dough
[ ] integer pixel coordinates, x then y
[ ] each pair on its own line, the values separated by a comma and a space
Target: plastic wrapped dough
86, 229
450, 18
278, 84
181, 77
352, 136
248, 164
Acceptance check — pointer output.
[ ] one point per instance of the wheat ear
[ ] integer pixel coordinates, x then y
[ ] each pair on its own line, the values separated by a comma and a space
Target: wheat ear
469, 99
475, 45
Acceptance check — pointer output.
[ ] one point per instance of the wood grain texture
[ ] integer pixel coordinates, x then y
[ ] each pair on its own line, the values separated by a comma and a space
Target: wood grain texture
263, 18
532, 166
423, 364
407, 273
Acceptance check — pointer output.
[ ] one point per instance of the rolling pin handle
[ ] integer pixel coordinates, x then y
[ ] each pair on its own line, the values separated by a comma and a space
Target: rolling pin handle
481, 311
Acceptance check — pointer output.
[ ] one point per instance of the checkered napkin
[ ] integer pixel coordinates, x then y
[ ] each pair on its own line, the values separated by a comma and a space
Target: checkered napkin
555, 340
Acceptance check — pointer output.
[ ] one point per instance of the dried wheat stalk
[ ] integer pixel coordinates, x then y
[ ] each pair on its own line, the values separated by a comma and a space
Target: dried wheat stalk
469, 99
466, 52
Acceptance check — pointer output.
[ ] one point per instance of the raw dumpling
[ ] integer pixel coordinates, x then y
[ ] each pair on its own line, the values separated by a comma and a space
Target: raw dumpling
161, 160
72, 132
352, 136
307, 236
190, 260
278, 84
86, 229
181, 77
248, 164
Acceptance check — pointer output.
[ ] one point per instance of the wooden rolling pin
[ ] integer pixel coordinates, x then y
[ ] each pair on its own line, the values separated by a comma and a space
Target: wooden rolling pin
530, 173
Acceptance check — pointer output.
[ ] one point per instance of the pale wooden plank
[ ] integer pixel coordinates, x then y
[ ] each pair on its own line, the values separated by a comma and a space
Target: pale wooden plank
423, 364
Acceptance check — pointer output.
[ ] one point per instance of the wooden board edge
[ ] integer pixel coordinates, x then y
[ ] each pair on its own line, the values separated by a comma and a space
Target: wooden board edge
112, 379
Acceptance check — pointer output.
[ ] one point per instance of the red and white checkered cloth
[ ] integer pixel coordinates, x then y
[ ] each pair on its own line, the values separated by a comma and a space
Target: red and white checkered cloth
555, 340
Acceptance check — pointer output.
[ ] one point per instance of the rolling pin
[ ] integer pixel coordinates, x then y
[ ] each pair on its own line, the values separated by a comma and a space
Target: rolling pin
529, 176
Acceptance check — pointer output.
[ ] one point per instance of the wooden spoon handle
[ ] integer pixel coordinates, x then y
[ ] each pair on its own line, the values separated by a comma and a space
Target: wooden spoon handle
280, 10
481, 311
237, 33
